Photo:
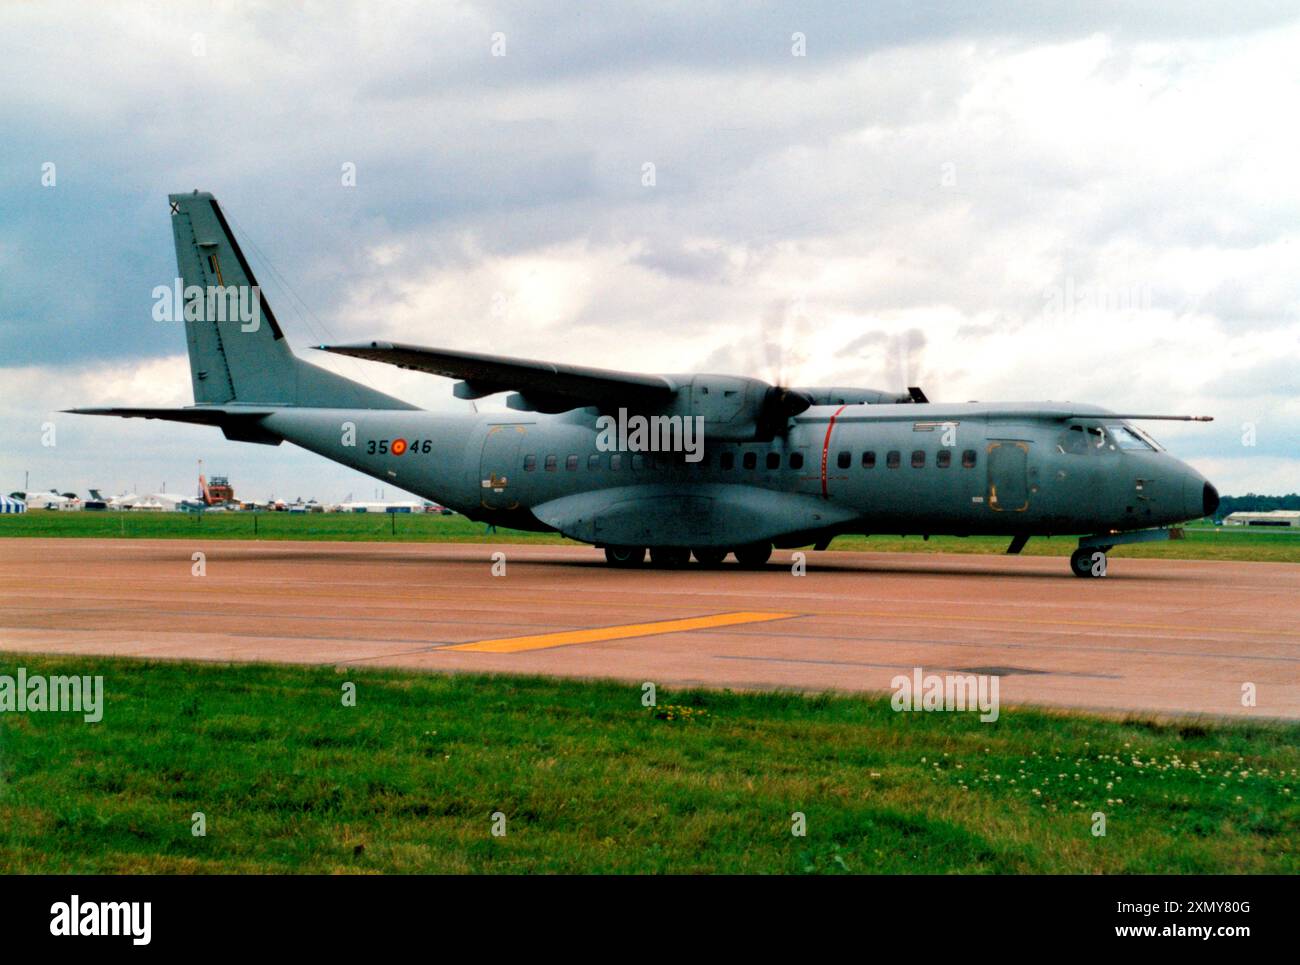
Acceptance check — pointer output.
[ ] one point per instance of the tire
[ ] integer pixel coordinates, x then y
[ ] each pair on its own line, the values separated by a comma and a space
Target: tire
709, 556
1081, 561
753, 556
625, 556
669, 557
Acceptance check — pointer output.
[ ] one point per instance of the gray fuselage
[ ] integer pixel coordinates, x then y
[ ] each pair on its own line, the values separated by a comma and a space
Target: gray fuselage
939, 469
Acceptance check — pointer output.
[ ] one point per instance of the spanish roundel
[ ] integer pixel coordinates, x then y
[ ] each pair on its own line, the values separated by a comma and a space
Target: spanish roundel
399, 447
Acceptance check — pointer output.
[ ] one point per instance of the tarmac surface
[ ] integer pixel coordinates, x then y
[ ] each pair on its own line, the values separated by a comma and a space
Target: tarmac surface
1167, 636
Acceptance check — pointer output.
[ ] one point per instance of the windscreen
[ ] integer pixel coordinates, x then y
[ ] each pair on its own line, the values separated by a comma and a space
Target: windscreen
1124, 437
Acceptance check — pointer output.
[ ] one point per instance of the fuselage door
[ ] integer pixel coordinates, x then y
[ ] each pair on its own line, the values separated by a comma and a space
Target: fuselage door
499, 466
1008, 464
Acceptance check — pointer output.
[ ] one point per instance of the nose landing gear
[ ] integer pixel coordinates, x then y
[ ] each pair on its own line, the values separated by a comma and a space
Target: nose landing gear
1090, 558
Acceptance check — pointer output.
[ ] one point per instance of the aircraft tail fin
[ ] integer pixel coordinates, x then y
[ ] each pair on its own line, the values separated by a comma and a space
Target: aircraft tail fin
238, 353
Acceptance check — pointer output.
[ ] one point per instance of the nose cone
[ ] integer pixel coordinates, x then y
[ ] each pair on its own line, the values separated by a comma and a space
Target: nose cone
1209, 500
1200, 498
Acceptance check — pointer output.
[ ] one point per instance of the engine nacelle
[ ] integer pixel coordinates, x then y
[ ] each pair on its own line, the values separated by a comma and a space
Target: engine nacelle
734, 408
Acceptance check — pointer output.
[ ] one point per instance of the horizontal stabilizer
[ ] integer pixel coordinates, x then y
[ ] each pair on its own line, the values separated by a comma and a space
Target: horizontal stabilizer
238, 423
201, 415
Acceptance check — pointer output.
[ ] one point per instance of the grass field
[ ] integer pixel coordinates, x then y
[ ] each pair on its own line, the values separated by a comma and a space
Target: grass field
588, 779
1202, 542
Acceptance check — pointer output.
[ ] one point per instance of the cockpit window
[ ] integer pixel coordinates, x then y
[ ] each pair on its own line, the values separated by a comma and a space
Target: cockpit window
1080, 439
1146, 437
1122, 437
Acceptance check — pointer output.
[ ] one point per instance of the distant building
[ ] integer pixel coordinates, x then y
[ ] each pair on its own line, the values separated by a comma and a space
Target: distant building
51, 500
379, 506
1274, 517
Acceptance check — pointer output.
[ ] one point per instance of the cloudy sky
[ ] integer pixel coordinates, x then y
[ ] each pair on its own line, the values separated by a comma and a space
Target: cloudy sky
1026, 202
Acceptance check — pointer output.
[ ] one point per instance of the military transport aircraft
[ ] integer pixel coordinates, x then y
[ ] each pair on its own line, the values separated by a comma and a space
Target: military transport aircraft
676, 465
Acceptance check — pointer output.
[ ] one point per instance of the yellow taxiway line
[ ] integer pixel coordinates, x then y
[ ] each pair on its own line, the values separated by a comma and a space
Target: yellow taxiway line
566, 638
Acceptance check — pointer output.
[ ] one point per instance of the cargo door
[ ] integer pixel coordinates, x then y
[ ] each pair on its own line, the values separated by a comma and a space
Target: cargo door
499, 466
1008, 467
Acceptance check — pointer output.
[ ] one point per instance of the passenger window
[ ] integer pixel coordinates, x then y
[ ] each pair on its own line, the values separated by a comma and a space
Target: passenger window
773, 460
943, 458
918, 458
844, 460
571, 463
615, 461
727, 460
638, 462
593, 461
750, 460
550, 463
893, 459
796, 460
968, 459
869, 459
530, 463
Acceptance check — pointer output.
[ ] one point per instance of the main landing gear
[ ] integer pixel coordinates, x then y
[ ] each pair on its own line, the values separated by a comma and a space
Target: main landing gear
1089, 561
625, 556
751, 556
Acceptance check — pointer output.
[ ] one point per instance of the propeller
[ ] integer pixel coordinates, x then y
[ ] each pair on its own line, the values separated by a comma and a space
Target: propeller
780, 402
778, 407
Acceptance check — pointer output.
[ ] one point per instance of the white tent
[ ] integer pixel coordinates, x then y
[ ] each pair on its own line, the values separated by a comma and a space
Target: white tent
11, 505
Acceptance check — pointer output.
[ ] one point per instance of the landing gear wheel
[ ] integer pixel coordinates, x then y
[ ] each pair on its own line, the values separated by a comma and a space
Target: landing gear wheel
625, 556
669, 557
754, 555
1083, 564
709, 556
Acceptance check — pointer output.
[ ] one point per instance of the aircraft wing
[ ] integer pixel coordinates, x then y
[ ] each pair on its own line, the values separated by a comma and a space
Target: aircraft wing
546, 384
955, 412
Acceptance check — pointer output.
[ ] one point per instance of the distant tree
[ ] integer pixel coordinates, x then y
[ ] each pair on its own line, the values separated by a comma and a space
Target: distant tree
1256, 503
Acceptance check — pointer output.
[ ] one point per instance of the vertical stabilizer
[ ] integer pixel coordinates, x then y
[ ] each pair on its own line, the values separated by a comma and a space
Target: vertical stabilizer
238, 353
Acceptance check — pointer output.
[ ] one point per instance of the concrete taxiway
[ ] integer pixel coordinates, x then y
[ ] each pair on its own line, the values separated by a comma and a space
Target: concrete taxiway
1166, 636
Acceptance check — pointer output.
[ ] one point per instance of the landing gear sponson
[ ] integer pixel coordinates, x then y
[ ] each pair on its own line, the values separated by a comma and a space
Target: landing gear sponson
674, 557
1089, 560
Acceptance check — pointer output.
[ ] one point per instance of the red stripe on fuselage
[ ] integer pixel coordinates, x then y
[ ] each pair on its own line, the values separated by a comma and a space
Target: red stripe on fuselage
826, 446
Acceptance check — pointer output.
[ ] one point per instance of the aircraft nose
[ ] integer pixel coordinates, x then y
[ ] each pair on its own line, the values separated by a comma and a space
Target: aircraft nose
1209, 499
1200, 498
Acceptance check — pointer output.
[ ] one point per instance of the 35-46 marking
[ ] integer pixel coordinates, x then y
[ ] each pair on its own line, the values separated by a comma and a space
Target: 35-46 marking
396, 447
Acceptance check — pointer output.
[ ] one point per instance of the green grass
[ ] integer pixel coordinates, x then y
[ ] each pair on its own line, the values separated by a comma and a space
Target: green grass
351, 527
1202, 542
290, 780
